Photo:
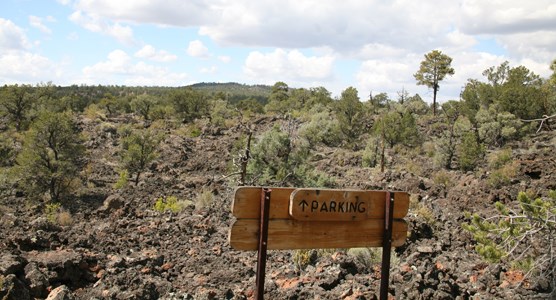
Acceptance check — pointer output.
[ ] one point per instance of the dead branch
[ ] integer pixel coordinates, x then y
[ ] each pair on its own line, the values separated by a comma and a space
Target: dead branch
543, 120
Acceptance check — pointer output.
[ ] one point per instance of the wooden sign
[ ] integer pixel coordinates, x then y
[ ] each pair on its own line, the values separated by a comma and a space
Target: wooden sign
329, 205
247, 205
327, 219
292, 234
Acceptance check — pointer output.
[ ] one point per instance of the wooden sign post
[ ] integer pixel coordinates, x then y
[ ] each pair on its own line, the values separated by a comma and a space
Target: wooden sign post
289, 218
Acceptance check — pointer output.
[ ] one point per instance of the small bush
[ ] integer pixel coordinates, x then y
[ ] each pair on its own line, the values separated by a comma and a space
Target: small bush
204, 199
499, 158
122, 179
370, 257
305, 257
367, 257
170, 203
421, 211
51, 211
371, 154
64, 218
93, 112
503, 176
443, 178
470, 152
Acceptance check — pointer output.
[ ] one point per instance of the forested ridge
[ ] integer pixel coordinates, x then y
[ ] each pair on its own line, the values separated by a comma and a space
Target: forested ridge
480, 170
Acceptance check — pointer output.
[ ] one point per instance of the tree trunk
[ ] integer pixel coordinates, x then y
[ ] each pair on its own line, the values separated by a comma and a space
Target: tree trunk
245, 159
137, 178
382, 156
435, 89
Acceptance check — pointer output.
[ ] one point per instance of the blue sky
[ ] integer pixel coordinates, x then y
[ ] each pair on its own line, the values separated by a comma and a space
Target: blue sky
373, 45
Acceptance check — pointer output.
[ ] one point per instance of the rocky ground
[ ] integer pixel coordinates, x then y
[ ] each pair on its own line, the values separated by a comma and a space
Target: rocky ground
118, 247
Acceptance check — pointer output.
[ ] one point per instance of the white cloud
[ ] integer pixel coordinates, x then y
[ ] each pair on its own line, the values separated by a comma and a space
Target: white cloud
209, 70
25, 67
168, 12
12, 37
196, 48
289, 66
120, 68
507, 16
148, 51
94, 23
37, 22
225, 59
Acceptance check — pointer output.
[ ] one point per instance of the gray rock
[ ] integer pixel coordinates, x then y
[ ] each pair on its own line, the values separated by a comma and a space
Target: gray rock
60, 293
13, 289
11, 264
37, 281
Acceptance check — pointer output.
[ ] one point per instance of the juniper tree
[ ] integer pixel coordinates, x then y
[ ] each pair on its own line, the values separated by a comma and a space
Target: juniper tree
138, 150
51, 155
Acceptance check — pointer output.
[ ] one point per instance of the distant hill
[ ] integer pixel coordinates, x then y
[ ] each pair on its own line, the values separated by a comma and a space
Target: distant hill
236, 91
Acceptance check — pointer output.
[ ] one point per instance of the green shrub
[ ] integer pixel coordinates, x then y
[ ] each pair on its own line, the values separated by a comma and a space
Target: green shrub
371, 154
170, 203
503, 175
7, 151
499, 158
122, 179
443, 178
368, 257
521, 232
322, 128
138, 150
51, 211
50, 160
470, 152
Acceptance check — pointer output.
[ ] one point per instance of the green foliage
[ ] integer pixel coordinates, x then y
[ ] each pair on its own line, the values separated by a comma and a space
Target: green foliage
169, 203
503, 169
51, 211
220, 113
51, 154
189, 104
397, 127
416, 105
250, 105
495, 129
349, 111
433, 70
470, 152
277, 160
447, 144
7, 151
278, 102
16, 103
323, 128
516, 91
122, 179
499, 158
370, 257
138, 150
522, 234
143, 105
371, 154
502, 176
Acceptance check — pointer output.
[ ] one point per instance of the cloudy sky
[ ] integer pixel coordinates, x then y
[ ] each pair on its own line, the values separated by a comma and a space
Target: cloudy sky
373, 45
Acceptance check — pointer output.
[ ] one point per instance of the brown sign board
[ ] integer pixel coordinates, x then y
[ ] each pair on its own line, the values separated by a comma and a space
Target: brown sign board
247, 203
292, 234
338, 219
